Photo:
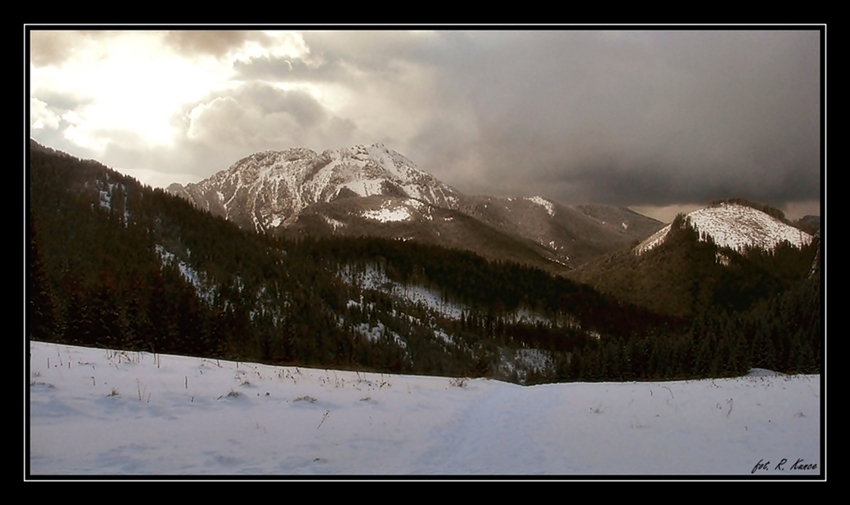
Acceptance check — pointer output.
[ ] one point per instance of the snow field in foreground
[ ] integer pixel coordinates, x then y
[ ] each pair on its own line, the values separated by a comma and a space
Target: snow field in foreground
101, 412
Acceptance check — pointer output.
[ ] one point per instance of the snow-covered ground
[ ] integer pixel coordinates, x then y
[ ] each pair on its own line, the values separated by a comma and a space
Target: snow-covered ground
95, 412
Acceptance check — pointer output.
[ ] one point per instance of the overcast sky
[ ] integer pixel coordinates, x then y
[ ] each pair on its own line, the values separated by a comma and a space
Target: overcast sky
653, 120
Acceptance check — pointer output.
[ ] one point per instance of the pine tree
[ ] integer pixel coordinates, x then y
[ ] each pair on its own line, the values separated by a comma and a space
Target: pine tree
41, 311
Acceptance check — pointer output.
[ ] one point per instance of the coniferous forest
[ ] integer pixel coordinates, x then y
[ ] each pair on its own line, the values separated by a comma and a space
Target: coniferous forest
113, 263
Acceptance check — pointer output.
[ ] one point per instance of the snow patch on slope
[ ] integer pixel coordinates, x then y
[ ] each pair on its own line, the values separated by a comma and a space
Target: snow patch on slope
190, 274
375, 279
546, 204
388, 213
653, 241
405, 210
334, 223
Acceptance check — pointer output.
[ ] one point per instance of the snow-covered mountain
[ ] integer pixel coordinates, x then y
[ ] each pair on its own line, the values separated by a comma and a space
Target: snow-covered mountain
269, 188
373, 190
735, 226
728, 254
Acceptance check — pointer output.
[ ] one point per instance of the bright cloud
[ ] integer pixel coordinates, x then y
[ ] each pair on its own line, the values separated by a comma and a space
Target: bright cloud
41, 116
125, 81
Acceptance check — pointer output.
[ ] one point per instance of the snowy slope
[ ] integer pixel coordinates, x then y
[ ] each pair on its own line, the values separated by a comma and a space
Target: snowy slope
735, 226
268, 188
100, 412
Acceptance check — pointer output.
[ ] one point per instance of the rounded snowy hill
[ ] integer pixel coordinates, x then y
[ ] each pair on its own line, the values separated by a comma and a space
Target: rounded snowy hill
735, 226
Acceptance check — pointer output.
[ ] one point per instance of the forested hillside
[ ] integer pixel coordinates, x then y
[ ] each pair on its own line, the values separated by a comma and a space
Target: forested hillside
689, 274
111, 262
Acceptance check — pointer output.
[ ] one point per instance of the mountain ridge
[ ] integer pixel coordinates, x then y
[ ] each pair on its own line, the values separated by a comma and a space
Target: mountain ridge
279, 191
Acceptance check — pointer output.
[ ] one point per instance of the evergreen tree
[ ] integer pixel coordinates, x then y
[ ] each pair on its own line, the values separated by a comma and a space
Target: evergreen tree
41, 311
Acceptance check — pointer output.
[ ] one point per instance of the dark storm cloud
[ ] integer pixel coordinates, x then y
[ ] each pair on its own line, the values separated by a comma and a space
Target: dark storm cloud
644, 117
634, 118
374, 51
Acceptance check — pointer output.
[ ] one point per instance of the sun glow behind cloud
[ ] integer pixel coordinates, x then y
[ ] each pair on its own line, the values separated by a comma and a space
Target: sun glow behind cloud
134, 85
130, 84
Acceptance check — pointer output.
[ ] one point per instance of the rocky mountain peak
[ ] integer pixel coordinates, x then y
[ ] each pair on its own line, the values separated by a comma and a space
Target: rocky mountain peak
265, 189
